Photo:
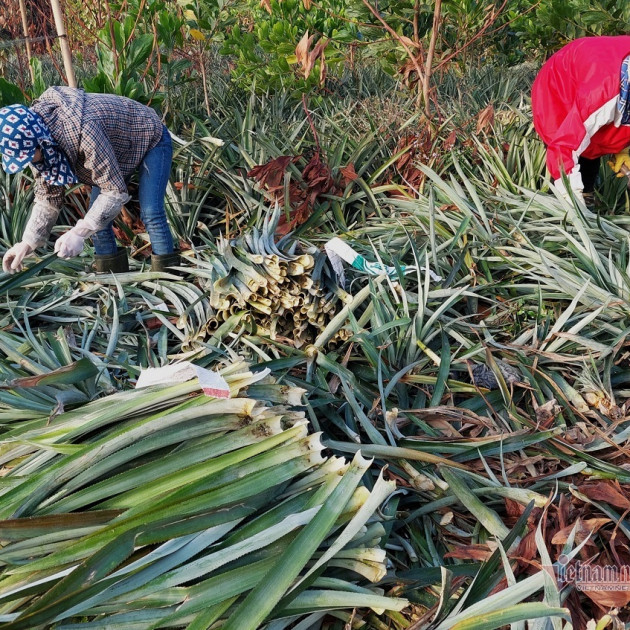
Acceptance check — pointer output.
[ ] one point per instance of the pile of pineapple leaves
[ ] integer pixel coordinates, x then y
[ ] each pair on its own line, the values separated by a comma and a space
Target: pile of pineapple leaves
412, 445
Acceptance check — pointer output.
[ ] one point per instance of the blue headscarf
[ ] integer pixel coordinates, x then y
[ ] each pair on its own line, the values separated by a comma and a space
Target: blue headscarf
22, 131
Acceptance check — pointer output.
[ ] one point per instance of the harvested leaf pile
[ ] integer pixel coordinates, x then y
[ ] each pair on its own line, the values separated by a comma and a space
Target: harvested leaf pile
282, 295
162, 507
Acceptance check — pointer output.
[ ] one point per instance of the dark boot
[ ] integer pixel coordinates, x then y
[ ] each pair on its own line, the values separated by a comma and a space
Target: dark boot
115, 263
589, 199
164, 262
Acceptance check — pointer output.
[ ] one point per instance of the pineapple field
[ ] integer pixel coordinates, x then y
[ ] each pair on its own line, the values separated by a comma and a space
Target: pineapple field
424, 348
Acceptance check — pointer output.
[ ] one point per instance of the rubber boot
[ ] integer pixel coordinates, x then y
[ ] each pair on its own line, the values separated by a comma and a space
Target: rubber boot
164, 262
112, 263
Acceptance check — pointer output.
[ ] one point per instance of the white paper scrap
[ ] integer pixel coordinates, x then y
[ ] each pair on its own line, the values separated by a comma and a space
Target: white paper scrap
211, 383
169, 374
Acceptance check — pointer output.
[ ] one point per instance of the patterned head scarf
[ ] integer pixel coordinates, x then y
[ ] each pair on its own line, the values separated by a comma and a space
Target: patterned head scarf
22, 131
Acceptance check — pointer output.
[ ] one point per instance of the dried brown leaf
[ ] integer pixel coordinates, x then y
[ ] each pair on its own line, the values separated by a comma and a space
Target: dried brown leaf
608, 599
579, 617
450, 141
301, 50
478, 552
320, 47
527, 549
305, 57
271, 174
584, 529
607, 491
513, 508
485, 120
409, 42
348, 173
546, 414
322, 69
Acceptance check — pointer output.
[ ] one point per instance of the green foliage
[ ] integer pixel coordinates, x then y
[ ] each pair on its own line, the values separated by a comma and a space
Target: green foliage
208, 19
127, 50
39, 85
16, 199
120, 62
553, 23
10, 93
264, 44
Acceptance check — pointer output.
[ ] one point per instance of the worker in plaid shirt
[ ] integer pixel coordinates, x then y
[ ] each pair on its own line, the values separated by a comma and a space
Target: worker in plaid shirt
69, 137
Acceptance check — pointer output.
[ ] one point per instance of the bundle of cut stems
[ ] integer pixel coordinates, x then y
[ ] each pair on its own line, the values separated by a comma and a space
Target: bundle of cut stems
163, 508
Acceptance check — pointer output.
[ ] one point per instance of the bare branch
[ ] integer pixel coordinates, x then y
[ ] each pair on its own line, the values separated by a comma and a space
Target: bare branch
437, 18
413, 58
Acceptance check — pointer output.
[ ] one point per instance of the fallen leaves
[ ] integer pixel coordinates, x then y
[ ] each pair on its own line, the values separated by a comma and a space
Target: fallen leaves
409, 72
547, 413
608, 599
317, 180
450, 141
348, 173
271, 174
304, 192
181, 185
477, 552
607, 492
414, 149
583, 530
485, 119
571, 519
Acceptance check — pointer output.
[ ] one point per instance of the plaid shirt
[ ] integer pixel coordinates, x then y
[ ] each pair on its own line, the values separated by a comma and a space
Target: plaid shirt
104, 136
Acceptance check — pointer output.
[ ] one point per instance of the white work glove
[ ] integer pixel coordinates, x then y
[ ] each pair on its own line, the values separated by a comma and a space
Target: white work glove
12, 260
71, 243
576, 188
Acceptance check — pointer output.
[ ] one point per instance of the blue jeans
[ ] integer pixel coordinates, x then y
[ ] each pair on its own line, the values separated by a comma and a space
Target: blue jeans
154, 172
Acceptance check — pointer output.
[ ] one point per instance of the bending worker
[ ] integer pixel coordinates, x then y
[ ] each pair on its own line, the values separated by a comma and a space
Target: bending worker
581, 106
67, 137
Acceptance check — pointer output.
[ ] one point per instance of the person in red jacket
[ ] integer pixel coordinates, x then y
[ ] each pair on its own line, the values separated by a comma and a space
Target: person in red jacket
581, 107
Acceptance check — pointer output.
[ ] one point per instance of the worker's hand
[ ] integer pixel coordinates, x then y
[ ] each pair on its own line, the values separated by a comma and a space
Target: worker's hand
621, 160
12, 260
71, 243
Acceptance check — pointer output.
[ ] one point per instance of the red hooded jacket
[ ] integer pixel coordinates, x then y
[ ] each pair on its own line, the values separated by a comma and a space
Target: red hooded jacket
574, 102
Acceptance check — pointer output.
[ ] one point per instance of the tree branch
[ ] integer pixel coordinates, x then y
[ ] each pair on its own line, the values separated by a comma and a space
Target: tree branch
437, 18
413, 58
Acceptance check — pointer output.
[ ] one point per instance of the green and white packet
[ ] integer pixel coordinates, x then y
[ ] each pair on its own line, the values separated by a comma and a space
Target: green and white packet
338, 251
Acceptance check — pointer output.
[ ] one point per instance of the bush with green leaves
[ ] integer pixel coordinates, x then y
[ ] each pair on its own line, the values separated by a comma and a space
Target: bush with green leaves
131, 52
543, 28
263, 44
